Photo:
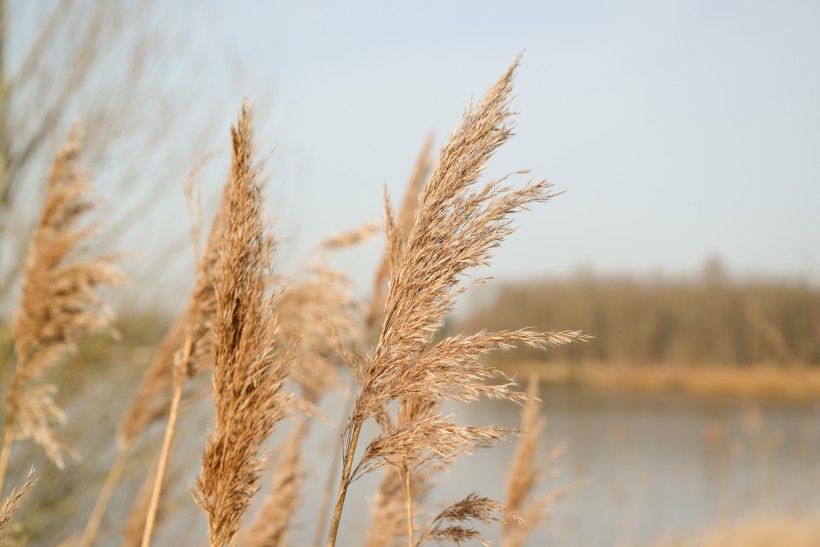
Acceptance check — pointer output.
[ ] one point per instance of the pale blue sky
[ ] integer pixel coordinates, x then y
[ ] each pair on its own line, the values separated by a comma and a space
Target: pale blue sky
679, 130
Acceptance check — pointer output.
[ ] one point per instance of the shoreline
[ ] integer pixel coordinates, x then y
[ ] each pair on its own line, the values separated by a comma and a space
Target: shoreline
761, 381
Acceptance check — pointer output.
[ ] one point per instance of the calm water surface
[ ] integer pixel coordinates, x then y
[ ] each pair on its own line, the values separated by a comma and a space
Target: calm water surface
637, 467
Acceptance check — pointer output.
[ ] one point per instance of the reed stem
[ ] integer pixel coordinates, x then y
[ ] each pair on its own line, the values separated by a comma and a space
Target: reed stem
104, 498
179, 379
8, 429
331, 475
409, 503
345, 482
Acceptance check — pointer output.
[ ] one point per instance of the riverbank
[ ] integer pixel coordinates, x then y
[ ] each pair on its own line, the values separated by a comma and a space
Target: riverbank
759, 381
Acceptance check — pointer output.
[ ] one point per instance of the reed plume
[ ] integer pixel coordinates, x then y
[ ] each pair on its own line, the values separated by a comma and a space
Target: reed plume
400, 487
452, 524
313, 311
58, 304
388, 522
248, 372
456, 228
12, 502
528, 471
404, 221
351, 238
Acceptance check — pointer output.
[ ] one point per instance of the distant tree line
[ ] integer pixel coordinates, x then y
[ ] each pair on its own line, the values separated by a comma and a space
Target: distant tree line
709, 320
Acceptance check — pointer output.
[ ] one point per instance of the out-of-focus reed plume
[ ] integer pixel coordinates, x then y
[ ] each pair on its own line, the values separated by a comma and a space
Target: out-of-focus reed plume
58, 305
528, 471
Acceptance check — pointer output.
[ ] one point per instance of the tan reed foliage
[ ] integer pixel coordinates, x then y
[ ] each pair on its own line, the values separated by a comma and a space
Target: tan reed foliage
528, 471
270, 527
351, 238
151, 403
58, 304
405, 486
13, 502
248, 371
393, 506
318, 316
313, 311
404, 221
388, 524
450, 526
455, 229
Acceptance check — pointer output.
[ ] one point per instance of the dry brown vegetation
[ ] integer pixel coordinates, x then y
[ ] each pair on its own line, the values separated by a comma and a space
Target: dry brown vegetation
276, 345
711, 336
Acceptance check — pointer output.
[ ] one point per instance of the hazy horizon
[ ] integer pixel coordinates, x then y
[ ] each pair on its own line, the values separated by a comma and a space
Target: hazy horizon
679, 132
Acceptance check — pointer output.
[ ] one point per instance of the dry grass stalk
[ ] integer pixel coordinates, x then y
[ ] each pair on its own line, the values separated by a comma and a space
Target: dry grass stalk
13, 502
402, 493
151, 403
527, 472
153, 398
134, 528
184, 351
58, 304
269, 529
196, 354
455, 229
248, 372
406, 215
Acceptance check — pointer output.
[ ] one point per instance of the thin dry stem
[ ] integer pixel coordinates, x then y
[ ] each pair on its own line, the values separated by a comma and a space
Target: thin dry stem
104, 498
134, 527
165, 454
161, 388
343, 485
408, 497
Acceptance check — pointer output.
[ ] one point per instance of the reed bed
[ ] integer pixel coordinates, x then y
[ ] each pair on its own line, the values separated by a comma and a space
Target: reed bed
276, 345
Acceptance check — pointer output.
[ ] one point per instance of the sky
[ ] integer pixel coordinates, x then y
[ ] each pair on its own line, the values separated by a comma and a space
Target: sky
679, 130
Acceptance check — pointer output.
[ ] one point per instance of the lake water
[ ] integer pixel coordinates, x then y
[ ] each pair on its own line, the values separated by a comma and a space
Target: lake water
637, 467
